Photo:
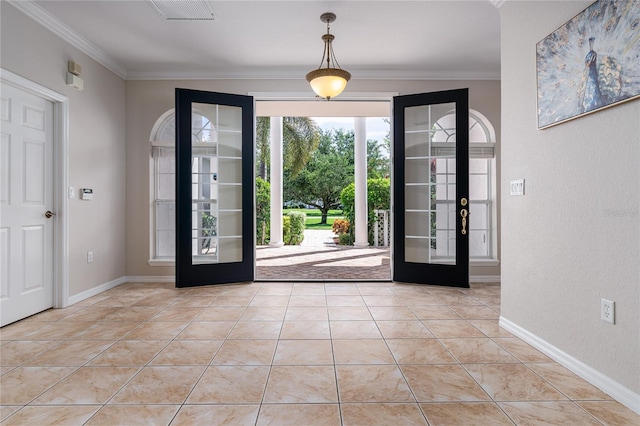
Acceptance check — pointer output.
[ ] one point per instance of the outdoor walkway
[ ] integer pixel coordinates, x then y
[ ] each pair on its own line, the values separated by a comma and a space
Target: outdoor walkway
318, 259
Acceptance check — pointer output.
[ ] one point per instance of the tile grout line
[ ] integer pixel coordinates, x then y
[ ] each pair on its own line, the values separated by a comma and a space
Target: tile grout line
148, 363
398, 366
333, 357
273, 357
469, 317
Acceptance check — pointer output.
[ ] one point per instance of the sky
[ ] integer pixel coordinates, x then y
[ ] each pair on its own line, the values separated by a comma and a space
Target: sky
376, 127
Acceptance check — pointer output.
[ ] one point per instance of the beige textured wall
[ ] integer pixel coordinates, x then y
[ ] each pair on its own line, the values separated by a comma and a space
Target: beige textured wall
110, 124
562, 248
96, 144
147, 100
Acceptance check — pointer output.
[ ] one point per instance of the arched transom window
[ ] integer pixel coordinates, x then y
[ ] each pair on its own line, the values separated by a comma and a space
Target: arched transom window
481, 183
163, 179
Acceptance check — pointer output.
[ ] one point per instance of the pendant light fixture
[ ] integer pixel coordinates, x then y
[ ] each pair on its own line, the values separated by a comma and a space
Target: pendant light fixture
330, 81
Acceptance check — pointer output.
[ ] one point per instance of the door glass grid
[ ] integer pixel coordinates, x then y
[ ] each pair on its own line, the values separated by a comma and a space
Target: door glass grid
216, 182
479, 208
479, 186
430, 184
165, 206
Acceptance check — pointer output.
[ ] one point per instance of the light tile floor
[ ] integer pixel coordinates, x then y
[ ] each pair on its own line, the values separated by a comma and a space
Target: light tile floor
287, 354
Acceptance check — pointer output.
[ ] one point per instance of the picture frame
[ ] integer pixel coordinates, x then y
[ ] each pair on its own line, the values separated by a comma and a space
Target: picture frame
590, 63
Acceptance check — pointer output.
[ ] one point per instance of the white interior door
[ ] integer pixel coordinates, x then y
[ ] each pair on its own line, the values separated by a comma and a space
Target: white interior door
26, 204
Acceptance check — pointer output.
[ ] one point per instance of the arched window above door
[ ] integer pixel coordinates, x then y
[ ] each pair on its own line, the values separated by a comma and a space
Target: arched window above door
482, 210
162, 181
482, 182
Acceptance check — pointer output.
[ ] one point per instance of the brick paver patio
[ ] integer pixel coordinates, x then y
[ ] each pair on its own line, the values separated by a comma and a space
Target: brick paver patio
326, 263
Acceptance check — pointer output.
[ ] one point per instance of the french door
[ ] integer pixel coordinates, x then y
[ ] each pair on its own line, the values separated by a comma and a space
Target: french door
431, 188
215, 189
215, 235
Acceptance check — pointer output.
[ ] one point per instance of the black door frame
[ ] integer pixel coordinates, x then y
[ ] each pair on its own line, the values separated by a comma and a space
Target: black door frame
188, 274
456, 275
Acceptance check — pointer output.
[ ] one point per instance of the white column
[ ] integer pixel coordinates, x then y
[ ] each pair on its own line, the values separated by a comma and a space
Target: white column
360, 161
275, 172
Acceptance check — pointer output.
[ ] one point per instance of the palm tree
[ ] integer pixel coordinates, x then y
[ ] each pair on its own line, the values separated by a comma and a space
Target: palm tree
301, 136
263, 126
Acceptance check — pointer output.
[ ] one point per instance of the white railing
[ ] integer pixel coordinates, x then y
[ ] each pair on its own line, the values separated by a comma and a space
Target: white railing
381, 229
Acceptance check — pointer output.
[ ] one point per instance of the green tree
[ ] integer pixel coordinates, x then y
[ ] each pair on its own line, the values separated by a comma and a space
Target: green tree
263, 146
327, 172
378, 198
378, 152
378, 158
300, 137
331, 168
340, 141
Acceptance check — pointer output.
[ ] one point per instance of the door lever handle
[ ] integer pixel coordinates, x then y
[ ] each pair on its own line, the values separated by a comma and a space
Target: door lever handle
49, 214
464, 213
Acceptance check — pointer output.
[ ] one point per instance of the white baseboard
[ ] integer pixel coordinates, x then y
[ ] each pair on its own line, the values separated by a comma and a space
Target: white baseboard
171, 278
484, 278
95, 291
620, 393
111, 284
151, 279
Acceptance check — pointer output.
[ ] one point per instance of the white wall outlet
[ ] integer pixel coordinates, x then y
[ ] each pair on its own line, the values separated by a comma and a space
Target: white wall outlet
608, 311
90, 257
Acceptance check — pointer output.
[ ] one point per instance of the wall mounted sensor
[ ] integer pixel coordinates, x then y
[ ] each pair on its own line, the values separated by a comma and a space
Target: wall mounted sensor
86, 194
74, 81
73, 75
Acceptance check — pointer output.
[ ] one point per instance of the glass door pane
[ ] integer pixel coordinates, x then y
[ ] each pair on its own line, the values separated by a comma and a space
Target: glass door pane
214, 188
216, 172
431, 183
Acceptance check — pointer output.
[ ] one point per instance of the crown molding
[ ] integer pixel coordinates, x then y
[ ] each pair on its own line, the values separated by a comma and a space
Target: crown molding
44, 18
261, 74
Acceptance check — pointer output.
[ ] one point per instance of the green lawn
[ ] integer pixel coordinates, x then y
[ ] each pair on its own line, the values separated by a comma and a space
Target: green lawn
313, 212
314, 216
314, 222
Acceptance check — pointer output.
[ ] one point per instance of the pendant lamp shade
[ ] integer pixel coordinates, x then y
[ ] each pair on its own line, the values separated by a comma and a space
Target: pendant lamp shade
330, 81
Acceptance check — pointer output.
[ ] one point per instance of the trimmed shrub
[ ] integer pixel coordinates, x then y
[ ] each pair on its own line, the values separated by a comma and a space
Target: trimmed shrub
296, 228
263, 211
378, 198
345, 239
286, 228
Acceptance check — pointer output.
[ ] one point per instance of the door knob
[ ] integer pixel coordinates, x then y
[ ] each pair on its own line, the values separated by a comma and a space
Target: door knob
464, 213
49, 214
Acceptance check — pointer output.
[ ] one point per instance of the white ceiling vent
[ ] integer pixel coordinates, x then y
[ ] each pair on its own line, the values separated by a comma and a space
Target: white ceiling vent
184, 10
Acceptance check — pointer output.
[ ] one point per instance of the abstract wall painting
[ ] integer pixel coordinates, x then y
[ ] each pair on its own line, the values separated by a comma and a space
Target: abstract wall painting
589, 63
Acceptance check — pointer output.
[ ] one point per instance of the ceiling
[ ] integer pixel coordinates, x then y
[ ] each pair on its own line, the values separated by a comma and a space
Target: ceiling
282, 39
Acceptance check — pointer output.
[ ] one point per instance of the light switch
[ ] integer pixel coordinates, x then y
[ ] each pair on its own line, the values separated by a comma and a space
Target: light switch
517, 187
72, 192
